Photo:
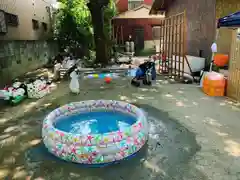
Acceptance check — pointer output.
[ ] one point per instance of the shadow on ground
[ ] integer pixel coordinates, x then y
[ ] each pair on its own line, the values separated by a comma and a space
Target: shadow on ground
166, 156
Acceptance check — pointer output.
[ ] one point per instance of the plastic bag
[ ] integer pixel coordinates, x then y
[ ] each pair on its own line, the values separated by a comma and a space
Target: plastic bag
74, 84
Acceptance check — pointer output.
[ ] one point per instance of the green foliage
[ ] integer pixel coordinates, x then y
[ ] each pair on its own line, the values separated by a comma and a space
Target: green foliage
73, 26
109, 13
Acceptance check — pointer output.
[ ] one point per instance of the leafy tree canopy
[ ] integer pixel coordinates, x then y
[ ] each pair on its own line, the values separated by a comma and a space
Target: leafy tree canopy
73, 25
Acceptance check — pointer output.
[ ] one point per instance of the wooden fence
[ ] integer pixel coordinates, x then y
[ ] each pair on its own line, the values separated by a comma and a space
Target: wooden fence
173, 45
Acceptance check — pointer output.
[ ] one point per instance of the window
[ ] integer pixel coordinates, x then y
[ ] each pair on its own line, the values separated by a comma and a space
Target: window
35, 24
156, 32
3, 26
44, 25
134, 4
11, 19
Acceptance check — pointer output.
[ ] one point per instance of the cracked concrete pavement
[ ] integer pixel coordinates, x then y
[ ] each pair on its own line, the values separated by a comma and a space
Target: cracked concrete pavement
192, 136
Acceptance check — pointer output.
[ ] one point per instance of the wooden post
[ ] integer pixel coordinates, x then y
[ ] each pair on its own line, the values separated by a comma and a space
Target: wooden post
180, 47
160, 46
172, 44
184, 42
175, 45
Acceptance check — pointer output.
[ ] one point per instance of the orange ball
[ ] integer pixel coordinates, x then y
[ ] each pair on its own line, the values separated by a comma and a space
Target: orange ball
108, 80
221, 60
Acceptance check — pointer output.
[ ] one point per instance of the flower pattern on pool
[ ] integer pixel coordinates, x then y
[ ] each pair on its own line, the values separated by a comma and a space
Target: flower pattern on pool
114, 131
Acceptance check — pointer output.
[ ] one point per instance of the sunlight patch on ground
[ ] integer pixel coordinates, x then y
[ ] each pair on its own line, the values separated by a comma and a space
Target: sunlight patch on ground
26, 145
235, 108
47, 105
19, 173
8, 141
229, 102
149, 90
153, 90
221, 134
4, 172
30, 106
180, 104
195, 103
222, 104
9, 160
19, 111
185, 100
142, 97
4, 136
232, 147
154, 167
205, 98
22, 109
169, 95
144, 89
212, 122
127, 99
35, 142
4, 120
10, 129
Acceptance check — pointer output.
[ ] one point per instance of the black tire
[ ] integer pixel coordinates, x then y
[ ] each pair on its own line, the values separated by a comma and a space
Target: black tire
145, 82
149, 83
135, 83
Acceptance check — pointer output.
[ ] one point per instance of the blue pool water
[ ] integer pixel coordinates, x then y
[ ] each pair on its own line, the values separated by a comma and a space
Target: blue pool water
95, 122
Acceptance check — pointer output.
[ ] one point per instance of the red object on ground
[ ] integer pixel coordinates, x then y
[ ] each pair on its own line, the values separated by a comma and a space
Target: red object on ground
164, 57
220, 60
107, 80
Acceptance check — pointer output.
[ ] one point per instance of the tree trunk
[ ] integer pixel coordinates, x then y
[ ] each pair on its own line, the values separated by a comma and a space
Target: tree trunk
96, 9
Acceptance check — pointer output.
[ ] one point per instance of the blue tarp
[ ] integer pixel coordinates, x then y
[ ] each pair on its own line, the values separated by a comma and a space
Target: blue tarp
232, 20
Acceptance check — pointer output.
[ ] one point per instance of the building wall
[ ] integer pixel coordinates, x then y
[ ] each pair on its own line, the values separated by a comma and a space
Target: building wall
122, 5
130, 24
19, 57
201, 24
148, 2
224, 8
26, 11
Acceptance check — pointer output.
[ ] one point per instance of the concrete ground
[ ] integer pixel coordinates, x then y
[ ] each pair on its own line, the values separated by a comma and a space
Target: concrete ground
192, 136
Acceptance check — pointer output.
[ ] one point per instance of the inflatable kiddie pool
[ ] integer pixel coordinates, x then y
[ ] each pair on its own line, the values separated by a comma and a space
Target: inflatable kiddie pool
95, 132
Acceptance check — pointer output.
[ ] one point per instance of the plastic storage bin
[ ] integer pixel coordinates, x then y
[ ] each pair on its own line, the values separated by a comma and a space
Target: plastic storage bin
214, 84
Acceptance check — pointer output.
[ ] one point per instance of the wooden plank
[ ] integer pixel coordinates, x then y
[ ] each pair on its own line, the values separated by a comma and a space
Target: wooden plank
167, 44
161, 45
172, 44
175, 43
180, 48
164, 44
184, 42
237, 56
122, 40
232, 83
